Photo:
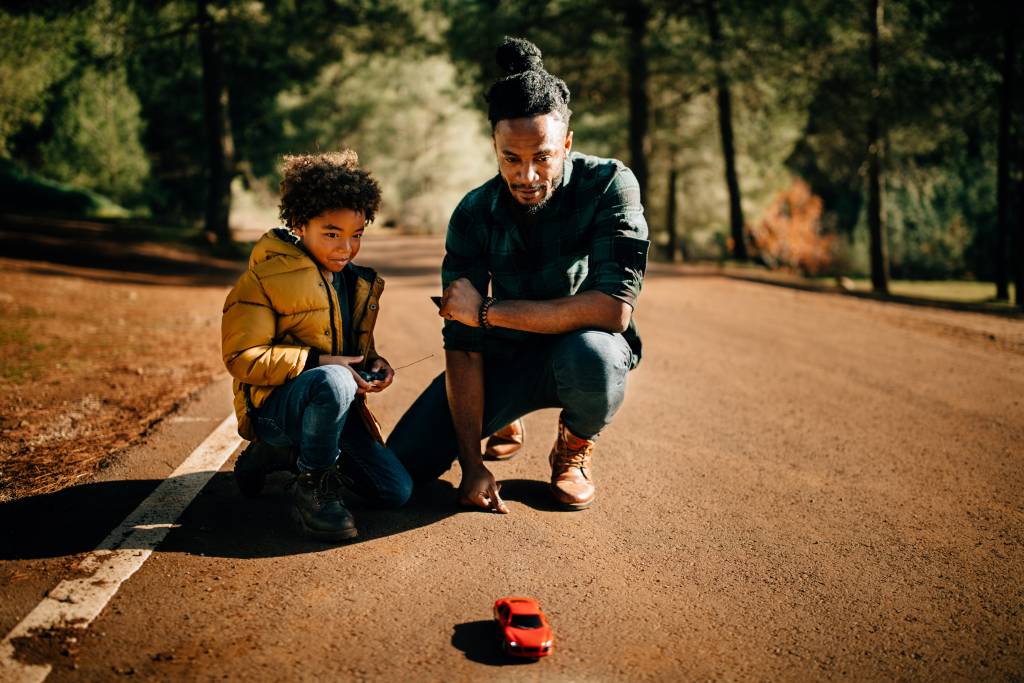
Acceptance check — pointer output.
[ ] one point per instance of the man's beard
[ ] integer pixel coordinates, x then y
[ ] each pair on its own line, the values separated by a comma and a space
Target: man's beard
531, 210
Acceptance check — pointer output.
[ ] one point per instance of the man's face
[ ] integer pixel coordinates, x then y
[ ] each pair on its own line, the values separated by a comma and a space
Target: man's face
531, 153
333, 237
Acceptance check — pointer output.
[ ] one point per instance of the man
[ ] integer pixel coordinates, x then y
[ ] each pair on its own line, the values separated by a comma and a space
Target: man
561, 239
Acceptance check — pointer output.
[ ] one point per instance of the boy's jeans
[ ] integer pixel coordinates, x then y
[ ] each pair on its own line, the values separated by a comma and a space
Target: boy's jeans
582, 372
310, 412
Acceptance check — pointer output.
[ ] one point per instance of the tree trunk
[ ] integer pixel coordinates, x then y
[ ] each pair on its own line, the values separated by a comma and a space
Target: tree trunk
1019, 250
672, 248
739, 248
637, 16
876, 226
1003, 165
220, 145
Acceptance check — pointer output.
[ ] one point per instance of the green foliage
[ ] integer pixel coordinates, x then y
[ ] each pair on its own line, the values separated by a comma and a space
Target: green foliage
26, 192
275, 58
34, 56
107, 95
96, 138
420, 137
69, 114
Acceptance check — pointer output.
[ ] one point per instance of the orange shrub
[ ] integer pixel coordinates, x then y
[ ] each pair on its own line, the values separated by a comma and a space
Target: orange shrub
790, 235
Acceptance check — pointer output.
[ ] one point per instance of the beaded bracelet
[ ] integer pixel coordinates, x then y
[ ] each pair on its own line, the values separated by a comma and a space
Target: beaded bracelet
484, 307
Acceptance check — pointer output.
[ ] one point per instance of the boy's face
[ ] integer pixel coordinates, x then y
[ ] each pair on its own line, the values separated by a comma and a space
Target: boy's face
530, 154
333, 237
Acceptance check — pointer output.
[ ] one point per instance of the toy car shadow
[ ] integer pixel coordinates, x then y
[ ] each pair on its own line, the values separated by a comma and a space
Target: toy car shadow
479, 641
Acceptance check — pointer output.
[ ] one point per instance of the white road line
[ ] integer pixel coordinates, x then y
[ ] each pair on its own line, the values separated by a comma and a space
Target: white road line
77, 602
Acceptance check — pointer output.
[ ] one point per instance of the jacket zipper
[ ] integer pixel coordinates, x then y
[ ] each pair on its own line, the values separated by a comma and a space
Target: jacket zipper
366, 307
330, 302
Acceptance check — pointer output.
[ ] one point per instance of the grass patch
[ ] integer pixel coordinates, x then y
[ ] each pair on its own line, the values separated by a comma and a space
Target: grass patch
19, 349
962, 291
23, 190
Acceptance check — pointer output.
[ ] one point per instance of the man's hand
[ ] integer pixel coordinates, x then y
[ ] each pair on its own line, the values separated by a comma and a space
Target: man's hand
381, 365
461, 302
479, 488
348, 362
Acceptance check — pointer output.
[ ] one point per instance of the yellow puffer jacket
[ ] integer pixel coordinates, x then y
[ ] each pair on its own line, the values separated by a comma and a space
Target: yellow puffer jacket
280, 309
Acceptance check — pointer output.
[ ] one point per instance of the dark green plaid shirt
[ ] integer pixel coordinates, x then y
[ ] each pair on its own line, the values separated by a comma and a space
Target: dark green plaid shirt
591, 236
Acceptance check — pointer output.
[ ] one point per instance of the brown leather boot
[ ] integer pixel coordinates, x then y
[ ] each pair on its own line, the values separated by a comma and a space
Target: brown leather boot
505, 442
570, 459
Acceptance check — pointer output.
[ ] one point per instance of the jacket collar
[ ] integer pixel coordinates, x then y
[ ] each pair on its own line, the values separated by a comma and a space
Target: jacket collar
284, 242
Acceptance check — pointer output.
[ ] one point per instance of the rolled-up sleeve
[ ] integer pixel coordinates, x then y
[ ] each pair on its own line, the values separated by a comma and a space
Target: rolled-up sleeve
465, 256
618, 255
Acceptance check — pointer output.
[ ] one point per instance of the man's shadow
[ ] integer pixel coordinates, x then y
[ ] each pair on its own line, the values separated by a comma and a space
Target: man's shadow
532, 493
219, 521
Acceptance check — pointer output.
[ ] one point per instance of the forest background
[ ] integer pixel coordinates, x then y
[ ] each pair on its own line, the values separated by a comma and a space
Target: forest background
829, 137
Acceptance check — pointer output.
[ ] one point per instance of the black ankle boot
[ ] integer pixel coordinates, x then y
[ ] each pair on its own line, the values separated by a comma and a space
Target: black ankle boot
256, 461
317, 507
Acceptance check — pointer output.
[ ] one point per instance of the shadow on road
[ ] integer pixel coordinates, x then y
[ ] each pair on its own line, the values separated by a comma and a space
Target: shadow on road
478, 640
218, 523
530, 492
69, 521
108, 253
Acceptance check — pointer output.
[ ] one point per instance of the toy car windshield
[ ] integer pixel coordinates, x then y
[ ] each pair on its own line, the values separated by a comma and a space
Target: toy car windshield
525, 621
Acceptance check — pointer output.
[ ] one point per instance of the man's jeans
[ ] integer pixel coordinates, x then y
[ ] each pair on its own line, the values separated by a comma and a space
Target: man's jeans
583, 373
310, 412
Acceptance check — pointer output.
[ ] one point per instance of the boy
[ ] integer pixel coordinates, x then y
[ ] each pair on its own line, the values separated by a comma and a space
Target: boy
297, 333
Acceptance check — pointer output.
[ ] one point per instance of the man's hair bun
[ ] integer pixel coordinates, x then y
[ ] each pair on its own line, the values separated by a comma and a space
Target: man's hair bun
516, 55
527, 89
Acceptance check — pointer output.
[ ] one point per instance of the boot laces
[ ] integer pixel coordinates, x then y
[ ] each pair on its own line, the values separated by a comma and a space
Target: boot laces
569, 457
326, 487
330, 484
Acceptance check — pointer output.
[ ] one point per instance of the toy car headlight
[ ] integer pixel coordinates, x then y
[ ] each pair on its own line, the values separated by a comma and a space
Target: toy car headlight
546, 643
513, 643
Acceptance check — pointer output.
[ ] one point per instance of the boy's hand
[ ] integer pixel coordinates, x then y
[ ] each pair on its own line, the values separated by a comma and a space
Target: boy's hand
461, 302
348, 362
381, 365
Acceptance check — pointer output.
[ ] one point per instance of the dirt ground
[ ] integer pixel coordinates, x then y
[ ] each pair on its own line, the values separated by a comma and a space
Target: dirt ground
800, 486
99, 339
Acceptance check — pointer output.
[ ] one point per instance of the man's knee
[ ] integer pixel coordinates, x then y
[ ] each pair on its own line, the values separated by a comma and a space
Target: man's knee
591, 360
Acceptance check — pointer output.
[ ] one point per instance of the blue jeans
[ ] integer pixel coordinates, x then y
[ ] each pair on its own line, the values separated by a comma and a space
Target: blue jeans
311, 412
582, 372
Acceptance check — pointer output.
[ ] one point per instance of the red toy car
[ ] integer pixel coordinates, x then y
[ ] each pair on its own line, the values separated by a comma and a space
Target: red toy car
523, 628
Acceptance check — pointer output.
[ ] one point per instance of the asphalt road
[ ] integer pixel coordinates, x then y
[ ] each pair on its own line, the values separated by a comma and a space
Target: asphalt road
799, 486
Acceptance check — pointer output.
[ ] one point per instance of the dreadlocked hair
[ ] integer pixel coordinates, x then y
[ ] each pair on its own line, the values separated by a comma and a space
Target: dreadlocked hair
527, 89
312, 184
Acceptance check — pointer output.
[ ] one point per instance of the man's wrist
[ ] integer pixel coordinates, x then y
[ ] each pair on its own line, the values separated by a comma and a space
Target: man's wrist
471, 462
482, 314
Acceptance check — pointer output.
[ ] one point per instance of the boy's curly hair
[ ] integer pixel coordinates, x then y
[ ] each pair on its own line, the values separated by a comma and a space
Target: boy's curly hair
314, 183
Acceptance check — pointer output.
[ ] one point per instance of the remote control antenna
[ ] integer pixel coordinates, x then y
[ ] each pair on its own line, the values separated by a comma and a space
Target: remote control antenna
414, 362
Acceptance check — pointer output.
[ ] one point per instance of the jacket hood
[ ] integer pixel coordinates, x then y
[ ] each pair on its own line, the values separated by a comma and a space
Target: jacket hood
276, 242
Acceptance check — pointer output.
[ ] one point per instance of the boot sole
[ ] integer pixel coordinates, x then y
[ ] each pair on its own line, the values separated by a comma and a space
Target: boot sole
569, 507
343, 535
499, 458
